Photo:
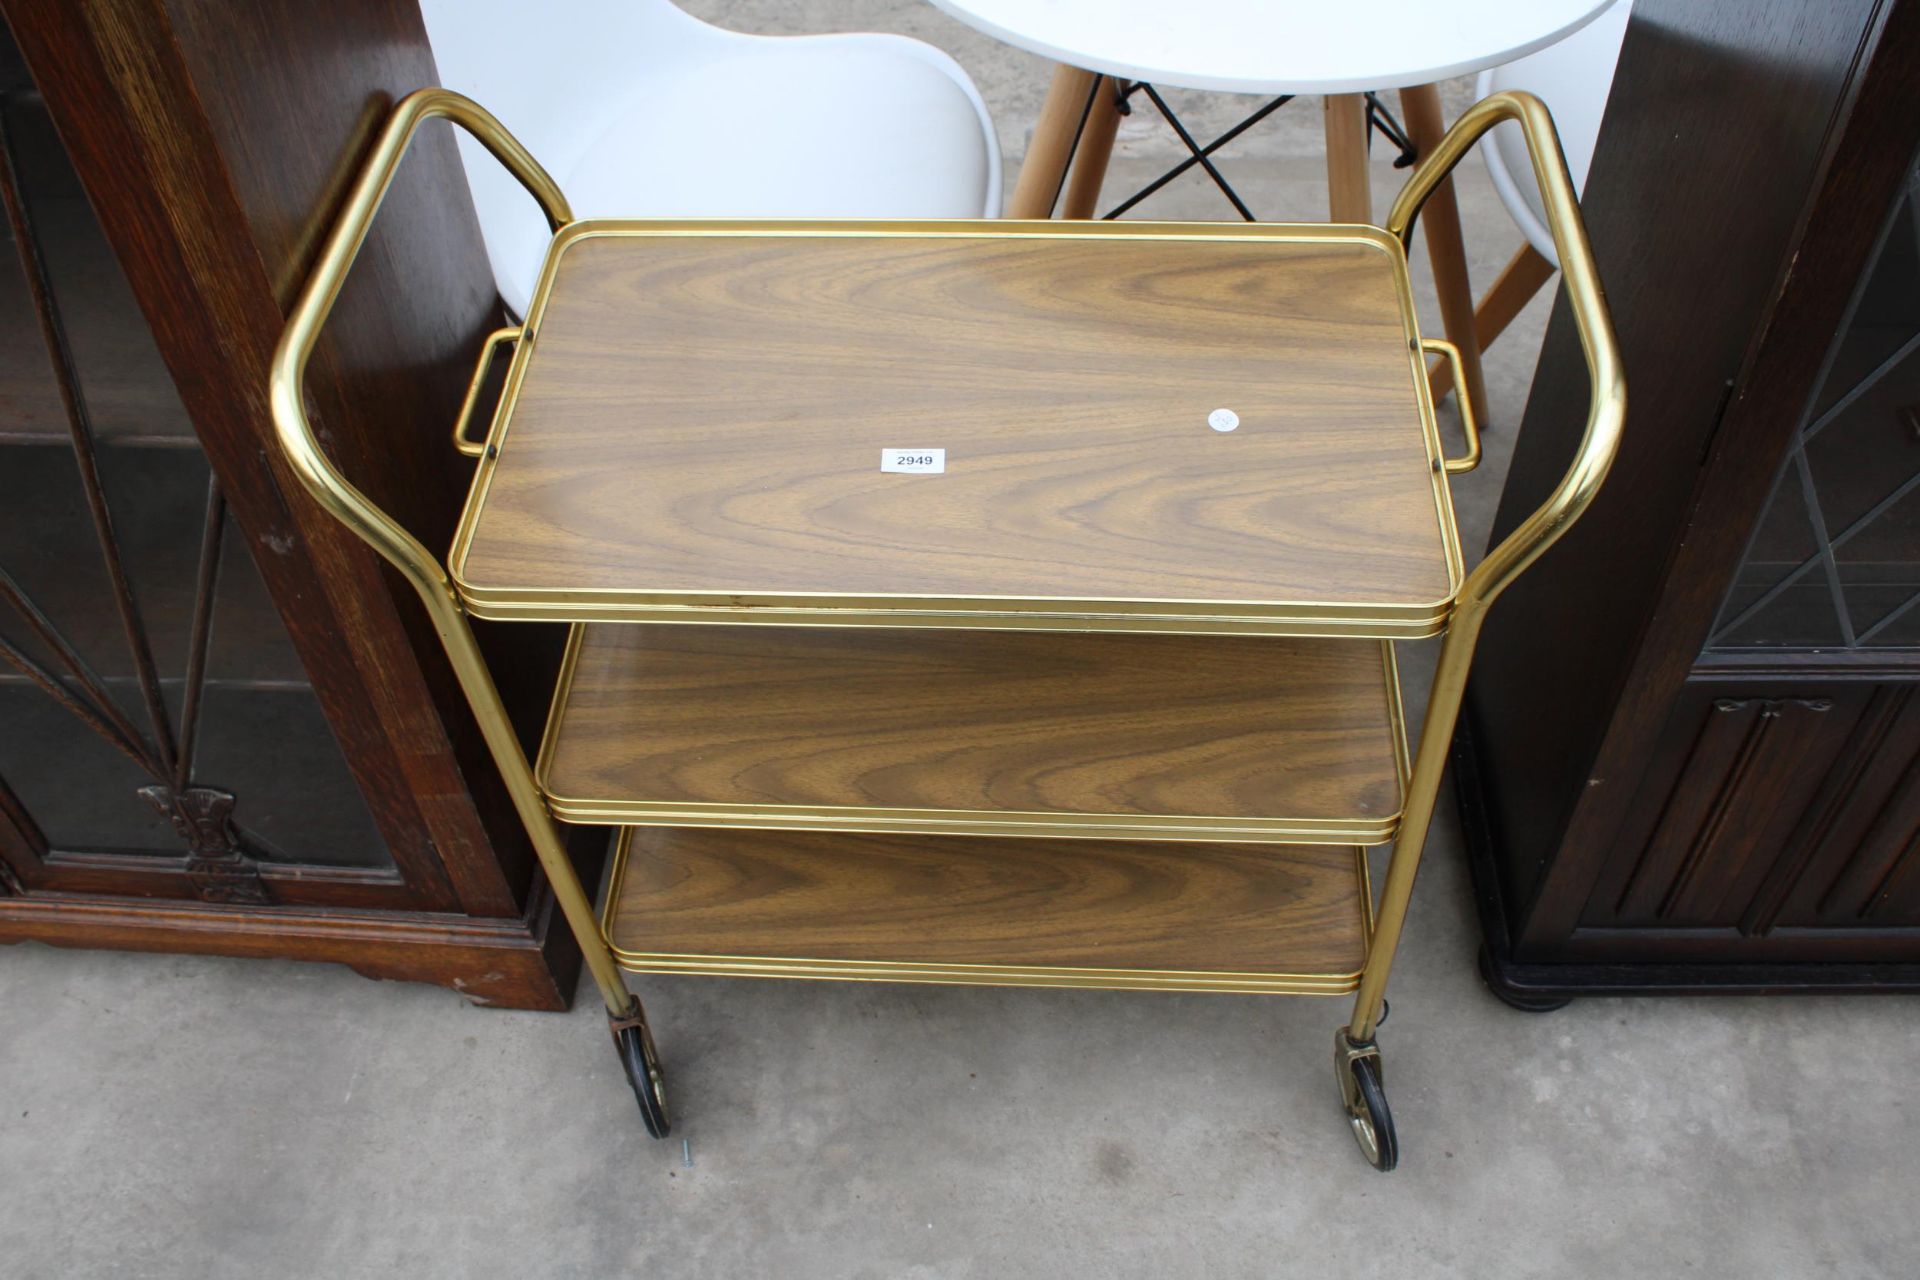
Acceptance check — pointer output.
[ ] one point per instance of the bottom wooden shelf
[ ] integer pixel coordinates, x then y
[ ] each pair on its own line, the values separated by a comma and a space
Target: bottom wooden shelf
1275, 918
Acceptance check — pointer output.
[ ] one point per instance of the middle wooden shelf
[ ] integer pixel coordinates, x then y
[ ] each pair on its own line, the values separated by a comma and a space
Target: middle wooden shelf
1102, 735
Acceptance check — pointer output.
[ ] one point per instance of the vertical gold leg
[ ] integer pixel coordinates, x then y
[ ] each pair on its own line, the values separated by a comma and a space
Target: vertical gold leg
1044, 171
1349, 190
1423, 789
456, 635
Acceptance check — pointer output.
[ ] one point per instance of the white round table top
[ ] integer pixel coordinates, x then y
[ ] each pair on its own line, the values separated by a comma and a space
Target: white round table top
1279, 46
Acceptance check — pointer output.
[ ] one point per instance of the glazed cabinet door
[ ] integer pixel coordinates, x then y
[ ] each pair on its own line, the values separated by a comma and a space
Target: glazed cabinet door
158, 735
1781, 810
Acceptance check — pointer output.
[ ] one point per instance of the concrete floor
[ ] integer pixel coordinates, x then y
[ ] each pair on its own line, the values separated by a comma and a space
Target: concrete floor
177, 1116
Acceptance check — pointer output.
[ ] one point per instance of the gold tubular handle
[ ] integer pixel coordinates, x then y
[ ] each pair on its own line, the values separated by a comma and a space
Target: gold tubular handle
1469, 425
297, 441
1607, 408
478, 448
379, 530
1606, 412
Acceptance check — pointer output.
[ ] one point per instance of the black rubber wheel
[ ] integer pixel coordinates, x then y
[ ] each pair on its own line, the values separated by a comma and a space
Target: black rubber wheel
1514, 999
1372, 1119
643, 1073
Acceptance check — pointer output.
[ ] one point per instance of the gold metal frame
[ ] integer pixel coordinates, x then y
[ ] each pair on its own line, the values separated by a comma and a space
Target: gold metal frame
634, 812
992, 975
1462, 621
1606, 414
379, 530
1405, 620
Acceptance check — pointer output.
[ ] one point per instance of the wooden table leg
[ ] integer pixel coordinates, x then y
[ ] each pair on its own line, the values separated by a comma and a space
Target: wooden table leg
1045, 170
1096, 145
1519, 280
1349, 193
1420, 104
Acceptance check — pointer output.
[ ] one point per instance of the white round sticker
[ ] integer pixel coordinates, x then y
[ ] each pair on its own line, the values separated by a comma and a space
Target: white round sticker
1223, 419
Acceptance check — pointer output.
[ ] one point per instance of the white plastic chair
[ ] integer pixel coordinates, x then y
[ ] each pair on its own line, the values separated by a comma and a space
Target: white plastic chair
640, 110
1574, 78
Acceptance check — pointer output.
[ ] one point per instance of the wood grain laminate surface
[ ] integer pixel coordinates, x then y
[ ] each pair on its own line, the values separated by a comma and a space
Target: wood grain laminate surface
702, 417
1096, 904
986, 721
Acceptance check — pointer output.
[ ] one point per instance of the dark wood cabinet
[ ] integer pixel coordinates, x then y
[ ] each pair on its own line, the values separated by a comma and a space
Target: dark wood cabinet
225, 726
1691, 758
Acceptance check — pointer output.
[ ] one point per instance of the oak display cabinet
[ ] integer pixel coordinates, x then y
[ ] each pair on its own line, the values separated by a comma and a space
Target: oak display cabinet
1693, 762
224, 728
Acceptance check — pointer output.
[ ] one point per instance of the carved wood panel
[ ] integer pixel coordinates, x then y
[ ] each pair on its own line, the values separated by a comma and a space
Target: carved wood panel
1773, 808
1856, 862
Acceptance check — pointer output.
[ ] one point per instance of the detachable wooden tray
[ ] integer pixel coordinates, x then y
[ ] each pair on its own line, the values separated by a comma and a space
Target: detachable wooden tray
1081, 913
694, 424
1215, 738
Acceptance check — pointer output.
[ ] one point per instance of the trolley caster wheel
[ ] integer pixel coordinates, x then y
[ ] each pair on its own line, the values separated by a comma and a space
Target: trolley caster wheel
1514, 999
1358, 1069
633, 1039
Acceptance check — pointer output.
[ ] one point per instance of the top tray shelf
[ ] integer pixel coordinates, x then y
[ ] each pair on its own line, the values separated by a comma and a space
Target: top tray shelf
694, 426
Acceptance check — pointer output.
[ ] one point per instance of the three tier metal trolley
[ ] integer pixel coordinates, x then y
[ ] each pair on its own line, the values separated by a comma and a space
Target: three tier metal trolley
977, 602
